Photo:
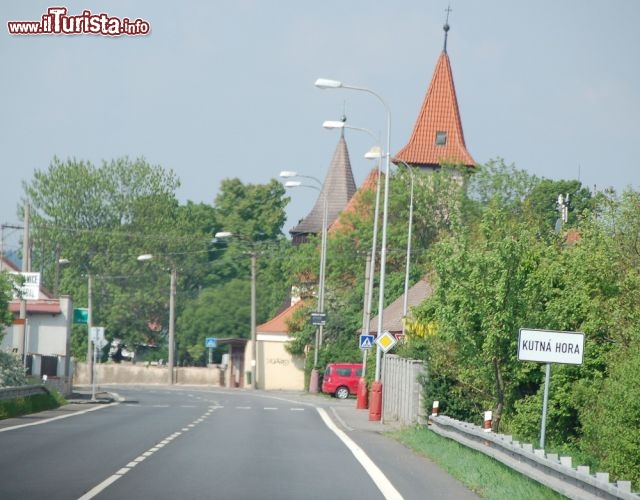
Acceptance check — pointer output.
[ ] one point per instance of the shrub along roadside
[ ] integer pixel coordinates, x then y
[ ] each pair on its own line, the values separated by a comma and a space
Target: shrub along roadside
483, 475
31, 404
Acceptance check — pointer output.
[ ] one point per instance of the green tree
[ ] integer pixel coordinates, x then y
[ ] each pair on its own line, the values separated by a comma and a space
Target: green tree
484, 270
253, 215
543, 201
100, 218
611, 424
254, 212
12, 373
6, 293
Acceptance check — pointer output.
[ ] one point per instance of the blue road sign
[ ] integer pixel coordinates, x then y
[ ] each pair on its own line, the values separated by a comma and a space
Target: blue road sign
366, 341
211, 343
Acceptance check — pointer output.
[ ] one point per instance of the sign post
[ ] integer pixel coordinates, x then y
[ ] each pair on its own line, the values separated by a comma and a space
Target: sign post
96, 335
550, 347
211, 343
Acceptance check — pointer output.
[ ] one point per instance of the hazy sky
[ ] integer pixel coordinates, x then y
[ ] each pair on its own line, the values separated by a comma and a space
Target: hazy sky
225, 88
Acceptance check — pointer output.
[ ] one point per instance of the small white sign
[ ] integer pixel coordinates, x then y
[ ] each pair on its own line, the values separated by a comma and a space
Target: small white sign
30, 290
551, 346
96, 335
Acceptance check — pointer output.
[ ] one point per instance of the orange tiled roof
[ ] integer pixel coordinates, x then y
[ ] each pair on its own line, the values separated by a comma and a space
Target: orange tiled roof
355, 203
439, 113
278, 324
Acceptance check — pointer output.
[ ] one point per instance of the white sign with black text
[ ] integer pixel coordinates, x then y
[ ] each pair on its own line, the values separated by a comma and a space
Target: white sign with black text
551, 346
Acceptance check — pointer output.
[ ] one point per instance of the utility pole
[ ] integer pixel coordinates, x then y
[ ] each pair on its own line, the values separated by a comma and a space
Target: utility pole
26, 266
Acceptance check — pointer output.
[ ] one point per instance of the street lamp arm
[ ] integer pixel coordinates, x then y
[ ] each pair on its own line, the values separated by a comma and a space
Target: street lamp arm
290, 173
333, 124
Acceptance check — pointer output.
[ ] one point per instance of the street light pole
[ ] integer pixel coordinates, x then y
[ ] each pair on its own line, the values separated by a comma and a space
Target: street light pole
172, 319
370, 266
89, 326
253, 320
408, 263
172, 322
315, 376
254, 254
375, 412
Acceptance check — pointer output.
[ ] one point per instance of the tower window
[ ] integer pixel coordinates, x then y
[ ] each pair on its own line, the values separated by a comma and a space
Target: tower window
441, 138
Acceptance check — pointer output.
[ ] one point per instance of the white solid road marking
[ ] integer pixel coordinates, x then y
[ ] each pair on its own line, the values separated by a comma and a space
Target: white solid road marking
60, 417
380, 480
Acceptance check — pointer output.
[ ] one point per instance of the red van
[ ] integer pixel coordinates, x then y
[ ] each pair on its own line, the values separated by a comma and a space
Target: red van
341, 379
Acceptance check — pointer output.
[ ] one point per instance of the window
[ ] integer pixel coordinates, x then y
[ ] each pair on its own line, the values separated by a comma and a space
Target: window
441, 138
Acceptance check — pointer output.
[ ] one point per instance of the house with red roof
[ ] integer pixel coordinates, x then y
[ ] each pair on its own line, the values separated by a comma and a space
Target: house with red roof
42, 337
276, 368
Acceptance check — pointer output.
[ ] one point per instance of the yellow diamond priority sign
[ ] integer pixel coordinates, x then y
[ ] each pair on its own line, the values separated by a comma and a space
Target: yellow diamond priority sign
386, 341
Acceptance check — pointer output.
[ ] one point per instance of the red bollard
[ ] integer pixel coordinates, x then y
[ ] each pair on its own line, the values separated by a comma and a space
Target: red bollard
487, 421
362, 400
375, 403
434, 410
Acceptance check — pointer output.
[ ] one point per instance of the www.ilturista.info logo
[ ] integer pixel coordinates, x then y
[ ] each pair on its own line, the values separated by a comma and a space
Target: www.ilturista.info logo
56, 22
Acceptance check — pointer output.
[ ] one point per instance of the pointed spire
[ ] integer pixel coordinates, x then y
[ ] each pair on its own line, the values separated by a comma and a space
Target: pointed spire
339, 186
437, 135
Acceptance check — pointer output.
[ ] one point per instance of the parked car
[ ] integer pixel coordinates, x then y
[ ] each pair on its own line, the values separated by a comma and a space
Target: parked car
341, 379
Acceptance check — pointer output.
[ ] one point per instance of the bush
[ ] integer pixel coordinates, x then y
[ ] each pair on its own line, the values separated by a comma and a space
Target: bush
32, 404
12, 373
611, 423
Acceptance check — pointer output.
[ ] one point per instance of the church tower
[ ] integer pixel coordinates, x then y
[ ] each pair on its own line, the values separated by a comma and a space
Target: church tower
437, 136
338, 187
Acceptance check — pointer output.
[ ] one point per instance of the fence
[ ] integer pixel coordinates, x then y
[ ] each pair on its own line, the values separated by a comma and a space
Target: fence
546, 468
403, 402
401, 391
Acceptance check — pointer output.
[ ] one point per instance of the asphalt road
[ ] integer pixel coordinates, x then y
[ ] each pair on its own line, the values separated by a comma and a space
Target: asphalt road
196, 443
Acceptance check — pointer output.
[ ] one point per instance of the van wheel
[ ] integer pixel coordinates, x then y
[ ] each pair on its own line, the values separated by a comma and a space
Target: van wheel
342, 392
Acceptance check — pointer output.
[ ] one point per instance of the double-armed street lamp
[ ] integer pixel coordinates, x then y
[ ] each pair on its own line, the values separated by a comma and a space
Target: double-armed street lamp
375, 153
172, 321
375, 412
253, 253
313, 381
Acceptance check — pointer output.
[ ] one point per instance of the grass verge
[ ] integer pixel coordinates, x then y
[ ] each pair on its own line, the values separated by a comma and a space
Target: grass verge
31, 404
483, 475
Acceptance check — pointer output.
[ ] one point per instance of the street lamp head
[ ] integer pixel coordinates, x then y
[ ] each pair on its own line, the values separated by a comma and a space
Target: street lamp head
325, 83
331, 124
223, 234
292, 184
375, 153
63, 261
288, 173
144, 257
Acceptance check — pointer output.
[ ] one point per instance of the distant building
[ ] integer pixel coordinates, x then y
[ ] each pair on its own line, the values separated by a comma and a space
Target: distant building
44, 340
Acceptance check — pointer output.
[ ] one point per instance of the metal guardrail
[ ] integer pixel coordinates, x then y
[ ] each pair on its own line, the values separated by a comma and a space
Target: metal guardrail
22, 391
547, 468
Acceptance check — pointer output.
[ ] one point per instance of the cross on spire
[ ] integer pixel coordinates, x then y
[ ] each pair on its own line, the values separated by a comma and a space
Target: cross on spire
446, 27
